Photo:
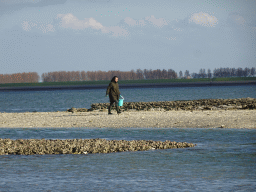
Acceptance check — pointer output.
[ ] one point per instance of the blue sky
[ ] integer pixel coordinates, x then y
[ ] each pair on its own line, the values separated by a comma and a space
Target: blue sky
91, 35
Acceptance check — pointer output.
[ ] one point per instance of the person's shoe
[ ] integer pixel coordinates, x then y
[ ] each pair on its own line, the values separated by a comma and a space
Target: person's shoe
118, 112
110, 113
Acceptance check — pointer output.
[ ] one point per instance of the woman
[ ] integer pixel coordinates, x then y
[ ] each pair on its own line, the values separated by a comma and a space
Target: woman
113, 92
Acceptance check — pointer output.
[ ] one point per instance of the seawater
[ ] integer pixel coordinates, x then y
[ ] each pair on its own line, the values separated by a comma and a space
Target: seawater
61, 100
223, 160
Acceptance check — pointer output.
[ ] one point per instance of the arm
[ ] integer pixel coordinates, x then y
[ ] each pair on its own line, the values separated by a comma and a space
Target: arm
118, 94
108, 89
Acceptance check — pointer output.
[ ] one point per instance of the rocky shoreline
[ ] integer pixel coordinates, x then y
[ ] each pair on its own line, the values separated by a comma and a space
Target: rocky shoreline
82, 146
190, 105
210, 113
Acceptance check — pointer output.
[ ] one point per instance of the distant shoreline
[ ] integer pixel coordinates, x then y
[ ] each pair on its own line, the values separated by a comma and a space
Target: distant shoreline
132, 85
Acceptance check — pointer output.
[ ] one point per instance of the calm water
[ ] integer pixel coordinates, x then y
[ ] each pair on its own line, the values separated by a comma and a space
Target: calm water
61, 100
223, 160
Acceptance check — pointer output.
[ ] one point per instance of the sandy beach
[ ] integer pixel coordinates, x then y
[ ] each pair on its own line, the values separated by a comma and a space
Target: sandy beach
133, 119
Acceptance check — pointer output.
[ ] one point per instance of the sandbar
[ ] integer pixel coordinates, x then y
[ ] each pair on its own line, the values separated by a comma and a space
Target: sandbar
132, 119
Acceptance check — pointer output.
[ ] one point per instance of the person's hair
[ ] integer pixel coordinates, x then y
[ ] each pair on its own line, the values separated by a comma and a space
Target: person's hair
113, 79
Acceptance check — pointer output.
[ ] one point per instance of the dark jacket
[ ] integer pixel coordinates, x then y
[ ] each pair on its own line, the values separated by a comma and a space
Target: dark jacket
113, 91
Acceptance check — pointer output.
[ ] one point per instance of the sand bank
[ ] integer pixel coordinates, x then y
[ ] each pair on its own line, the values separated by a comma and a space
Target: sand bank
136, 119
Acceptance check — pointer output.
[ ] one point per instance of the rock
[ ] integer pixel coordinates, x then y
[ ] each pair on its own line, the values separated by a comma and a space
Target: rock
72, 110
82, 110
202, 104
81, 146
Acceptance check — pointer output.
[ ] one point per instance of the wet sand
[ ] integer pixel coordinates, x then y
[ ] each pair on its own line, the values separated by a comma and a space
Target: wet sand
133, 119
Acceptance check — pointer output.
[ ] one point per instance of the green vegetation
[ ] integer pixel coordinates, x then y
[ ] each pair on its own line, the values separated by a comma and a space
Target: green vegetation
77, 83
234, 79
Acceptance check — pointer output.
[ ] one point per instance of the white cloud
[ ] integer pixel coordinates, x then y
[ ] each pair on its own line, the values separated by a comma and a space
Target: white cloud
204, 19
157, 22
45, 28
142, 22
150, 26
26, 26
116, 31
70, 21
132, 22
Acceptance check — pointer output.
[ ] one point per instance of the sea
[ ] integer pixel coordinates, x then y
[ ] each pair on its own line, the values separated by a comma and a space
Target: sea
222, 160
61, 100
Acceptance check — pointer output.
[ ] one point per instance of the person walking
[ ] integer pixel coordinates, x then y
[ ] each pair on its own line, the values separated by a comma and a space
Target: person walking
113, 92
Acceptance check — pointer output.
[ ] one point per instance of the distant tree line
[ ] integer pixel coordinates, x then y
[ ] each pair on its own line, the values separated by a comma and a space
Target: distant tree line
225, 72
59, 76
31, 77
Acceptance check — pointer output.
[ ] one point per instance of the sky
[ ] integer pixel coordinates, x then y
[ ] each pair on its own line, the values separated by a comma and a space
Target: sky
90, 35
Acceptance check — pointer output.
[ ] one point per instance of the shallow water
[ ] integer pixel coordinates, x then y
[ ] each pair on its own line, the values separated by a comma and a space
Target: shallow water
223, 160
